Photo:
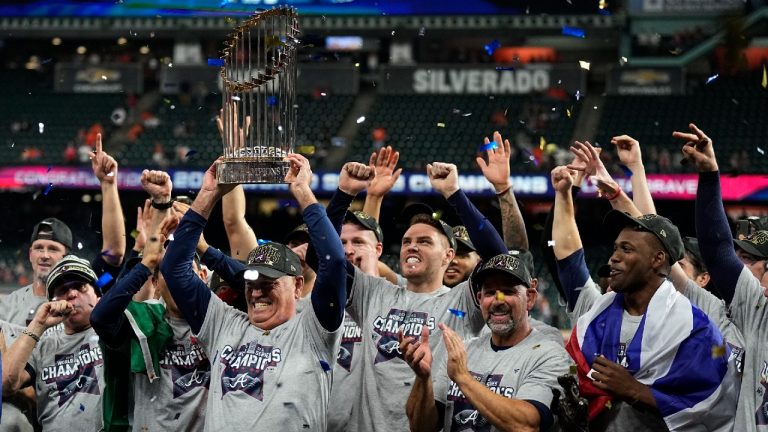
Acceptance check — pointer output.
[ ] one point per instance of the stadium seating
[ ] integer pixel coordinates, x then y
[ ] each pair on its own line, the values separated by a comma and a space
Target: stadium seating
730, 110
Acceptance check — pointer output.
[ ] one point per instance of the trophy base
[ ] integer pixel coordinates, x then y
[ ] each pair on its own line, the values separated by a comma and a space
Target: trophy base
240, 171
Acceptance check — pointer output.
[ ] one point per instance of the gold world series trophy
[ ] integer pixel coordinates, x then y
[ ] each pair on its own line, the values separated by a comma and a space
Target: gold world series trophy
258, 99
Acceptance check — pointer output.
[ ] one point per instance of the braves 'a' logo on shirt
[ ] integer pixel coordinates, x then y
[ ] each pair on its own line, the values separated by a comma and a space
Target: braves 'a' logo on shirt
761, 415
465, 416
351, 336
74, 373
190, 369
388, 326
244, 368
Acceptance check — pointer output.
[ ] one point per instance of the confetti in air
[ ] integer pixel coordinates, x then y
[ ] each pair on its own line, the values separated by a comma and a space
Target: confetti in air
190, 154
490, 146
272, 101
441, 125
360, 119
79, 245
574, 31
550, 243
458, 313
492, 46
48, 188
326, 367
584, 64
578, 95
135, 233
765, 78
761, 151
104, 279
627, 171
718, 351
500, 296
216, 62
712, 78
41, 127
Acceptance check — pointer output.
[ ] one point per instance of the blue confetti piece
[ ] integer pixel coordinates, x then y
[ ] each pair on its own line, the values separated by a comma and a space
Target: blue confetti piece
604, 12
712, 78
503, 68
190, 153
223, 3
50, 167
216, 62
457, 312
272, 101
491, 47
48, 188
104, 279
490, 146
326, 367
262, 242
574, 31
82, 407
627, 171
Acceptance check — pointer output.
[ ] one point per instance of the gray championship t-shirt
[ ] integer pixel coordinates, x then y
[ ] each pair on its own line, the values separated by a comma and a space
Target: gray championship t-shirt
19, 307
13, 418
346, 376
749, 312
272, 380
526, 371
67, 371
176, 400
382, 309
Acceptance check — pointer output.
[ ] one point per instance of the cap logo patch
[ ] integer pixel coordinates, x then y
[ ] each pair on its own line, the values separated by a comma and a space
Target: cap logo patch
267, 255
460, 232
759, 238
663, 233
503, 261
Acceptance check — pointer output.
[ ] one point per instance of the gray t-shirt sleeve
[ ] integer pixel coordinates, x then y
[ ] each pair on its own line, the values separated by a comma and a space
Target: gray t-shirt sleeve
708, 303
748, 304
364, 288
590, 293
538, 384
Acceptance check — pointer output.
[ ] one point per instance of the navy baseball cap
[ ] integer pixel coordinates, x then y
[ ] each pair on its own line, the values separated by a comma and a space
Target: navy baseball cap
366, 221
659, 226
53, 229
505, 263
274, 260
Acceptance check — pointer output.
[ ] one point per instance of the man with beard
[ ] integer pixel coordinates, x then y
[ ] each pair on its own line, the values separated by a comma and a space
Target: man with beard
65, 367
658, 390
382, 308
503, 381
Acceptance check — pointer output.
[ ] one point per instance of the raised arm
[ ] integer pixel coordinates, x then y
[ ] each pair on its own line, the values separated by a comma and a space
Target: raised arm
588, 160
108, 318
712, 229
496, 171
572, 269
384, 163
16, 357
629, 153
565, 233
189, 292
241, 237
329, 295
112, 223
445, 180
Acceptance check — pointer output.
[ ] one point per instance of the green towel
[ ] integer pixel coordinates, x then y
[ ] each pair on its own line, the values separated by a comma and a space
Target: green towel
150, 335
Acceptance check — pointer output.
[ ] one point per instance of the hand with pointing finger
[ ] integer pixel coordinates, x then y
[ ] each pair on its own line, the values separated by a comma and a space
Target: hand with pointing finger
698, 149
